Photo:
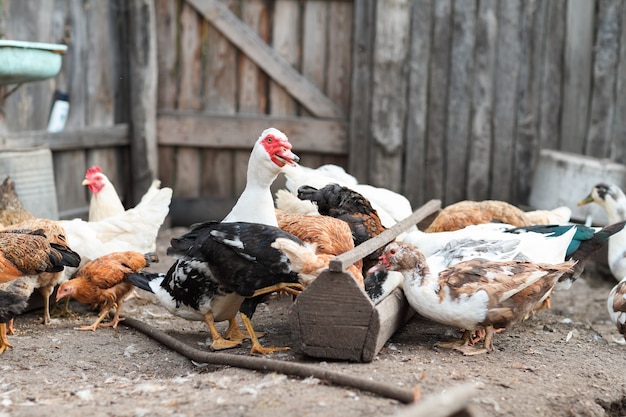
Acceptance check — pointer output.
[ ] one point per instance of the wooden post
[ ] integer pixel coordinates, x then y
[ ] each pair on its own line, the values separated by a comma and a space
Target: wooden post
142, 95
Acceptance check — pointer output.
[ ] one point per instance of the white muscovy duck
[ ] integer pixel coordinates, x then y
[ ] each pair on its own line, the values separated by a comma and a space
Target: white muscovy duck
473, 295
616, 305
190, 289
612, 199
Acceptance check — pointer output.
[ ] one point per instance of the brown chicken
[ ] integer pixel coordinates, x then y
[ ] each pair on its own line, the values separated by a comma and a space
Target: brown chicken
329, 235
12, 210
465, 213
46, 281
24, 255
104, 282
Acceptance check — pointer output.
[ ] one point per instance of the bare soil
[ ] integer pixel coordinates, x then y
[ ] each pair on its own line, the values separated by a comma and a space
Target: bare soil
562, 362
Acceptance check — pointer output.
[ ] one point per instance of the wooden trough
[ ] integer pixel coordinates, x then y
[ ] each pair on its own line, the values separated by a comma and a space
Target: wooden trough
335, 319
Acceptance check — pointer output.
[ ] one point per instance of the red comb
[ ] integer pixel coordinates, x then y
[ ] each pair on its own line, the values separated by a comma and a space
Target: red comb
93, 170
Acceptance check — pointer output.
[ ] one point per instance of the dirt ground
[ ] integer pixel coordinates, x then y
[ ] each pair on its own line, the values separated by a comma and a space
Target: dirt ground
563, 362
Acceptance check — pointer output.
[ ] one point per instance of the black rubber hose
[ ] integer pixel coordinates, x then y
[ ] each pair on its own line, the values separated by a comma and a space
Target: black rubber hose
272, 365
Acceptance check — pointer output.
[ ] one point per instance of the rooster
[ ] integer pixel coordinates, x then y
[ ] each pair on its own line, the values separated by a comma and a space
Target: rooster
24, 254
104, 282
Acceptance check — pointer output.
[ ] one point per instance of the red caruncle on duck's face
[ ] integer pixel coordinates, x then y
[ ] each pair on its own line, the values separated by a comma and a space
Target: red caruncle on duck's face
279, 150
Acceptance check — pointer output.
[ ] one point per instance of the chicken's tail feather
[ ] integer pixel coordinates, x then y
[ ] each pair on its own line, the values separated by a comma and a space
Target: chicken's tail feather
64, 256
142, 279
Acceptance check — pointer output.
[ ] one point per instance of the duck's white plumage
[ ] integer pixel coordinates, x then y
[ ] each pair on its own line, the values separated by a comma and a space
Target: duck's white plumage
612, 199
616, 305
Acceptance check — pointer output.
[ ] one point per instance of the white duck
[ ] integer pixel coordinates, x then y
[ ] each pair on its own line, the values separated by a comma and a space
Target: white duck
616, 304
612, 199
474, 295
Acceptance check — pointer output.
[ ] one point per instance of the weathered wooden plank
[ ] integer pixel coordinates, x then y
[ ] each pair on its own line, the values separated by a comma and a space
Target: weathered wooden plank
143, 76
389, 91
68, 176
188, 162
526, 140
481, 134
75, 139
417, 111
341, 262
391, 314
437, 100
551, 92
167, 28
267, 58
285, 29
28, 107
364, 18
339, 53
238, 132
253, 85
577, 75
606, 56
618, 145
505, 103
459, 99
72, 77
315, 41
220, 96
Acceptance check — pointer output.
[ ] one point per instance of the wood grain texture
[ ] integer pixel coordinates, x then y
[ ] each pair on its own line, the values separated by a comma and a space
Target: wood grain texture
435, 179
577, 77
459, 99
364, 13
618, 144
606, 57
526, 150
389, 92
481, 133
417, 102
269, 59
505, 103
239, 132
551, 91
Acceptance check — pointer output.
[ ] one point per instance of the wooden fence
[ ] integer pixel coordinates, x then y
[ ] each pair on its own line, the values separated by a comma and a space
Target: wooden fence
447, 99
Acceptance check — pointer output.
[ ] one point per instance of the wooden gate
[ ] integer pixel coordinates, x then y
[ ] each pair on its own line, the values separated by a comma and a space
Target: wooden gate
229, 69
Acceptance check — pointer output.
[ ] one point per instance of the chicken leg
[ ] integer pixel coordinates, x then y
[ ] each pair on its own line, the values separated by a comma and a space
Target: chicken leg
288, 287
219, 343
256, 345
4, 342
103, 313
233, 332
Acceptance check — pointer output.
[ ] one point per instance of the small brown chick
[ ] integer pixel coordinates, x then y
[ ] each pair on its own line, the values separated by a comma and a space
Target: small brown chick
103, 282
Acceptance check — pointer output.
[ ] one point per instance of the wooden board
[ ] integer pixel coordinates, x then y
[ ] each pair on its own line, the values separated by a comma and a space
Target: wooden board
335, 319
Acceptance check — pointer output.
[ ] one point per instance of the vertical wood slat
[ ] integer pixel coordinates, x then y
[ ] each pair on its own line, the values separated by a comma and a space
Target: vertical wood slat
437, 100
142, 53
188, 162
577, 77
417, 112
481, 135
606, 50
618, 132
389, 90
551, 92
526, 138
364, 13
505, 105
284, 40
253, 85
338, 68
459, 98
220, 96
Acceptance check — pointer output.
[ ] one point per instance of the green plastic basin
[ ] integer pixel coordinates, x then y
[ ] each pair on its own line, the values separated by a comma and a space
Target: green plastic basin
21, 62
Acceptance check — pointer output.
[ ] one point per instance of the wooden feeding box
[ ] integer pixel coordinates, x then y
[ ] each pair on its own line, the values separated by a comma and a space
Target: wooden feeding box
335, 319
